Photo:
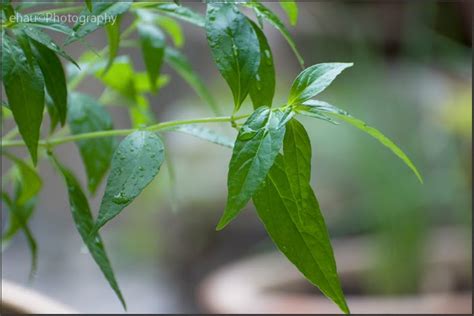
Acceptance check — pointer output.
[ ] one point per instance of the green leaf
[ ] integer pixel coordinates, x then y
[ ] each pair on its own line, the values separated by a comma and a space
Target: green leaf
24, 87
53, 114
314, 80
181, 13
234, 46
263, 89
113, 35
46, 40
268, 15
19, 215
326, 108
120, 77
102, 13
84, 221
86, 116
43, 21
89, 5
298, 229
54, 78
205, 134
135, 163
291, 9
258, 143
173, 29
28, 177
152, 42
181, 65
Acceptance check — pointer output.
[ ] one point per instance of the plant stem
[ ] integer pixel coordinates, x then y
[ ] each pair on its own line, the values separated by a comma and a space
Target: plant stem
122, 132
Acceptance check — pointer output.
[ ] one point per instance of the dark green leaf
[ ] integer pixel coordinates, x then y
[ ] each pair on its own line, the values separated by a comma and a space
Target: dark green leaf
43, 21
85, 116
29, 178
205, 134
102, 13
84, 221
298, 229
89, 5
53, 114
326, 108
54, 78
268, 15
258, 142
24, 87
291, 9
234, 46
180, 64
152, 42
113, 35
263, 89
314, 80
181, 13
135, 163
19, 215
46, 40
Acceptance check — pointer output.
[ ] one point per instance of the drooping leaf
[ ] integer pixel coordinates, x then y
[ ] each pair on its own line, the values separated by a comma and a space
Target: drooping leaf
102, 13
24, 87
84, 221
173, 29
291, 9
54, 78
29, 178
314, 80
298, 229
152, 43
272, 18
182, 13
43, 38
263, 89
258, 142
234, 46
326, 108
205, 134
85, 116
181, 65
19, 215
135, 163
113, 35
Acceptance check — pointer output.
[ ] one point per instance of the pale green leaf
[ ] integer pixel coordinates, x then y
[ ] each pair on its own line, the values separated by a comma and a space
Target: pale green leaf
205, 134
291, 9
326, 108
181, 13
181, 65
113, 36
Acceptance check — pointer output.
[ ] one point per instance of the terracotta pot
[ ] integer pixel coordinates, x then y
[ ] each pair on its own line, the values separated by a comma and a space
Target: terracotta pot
19, 300
260, 284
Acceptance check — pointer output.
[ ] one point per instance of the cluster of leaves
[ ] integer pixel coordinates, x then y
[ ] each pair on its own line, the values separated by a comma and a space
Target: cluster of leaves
271, 157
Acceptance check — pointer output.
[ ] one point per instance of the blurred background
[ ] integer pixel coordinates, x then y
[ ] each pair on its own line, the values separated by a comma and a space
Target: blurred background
412, 79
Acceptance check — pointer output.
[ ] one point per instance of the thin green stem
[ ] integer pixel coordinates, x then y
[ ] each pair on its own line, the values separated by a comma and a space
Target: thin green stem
122, 132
